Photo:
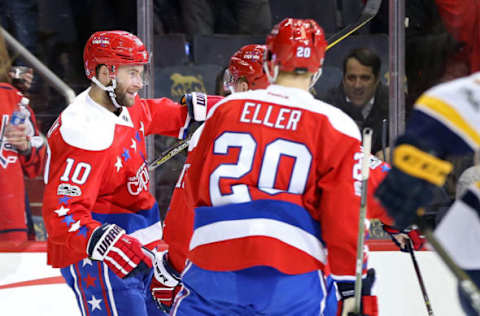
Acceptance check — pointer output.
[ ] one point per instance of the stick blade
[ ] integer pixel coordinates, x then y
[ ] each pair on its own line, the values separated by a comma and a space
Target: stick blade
369, 12
371, 8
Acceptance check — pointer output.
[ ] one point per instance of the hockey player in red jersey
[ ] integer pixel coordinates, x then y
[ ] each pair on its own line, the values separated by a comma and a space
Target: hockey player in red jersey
22, 152
245, 72
97, 205
279, 187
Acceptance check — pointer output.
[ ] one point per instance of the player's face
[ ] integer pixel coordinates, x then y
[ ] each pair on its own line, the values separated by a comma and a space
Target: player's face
129, 81
359, 82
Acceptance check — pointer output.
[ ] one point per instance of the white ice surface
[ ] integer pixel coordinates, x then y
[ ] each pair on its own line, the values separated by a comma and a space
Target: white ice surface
397, 286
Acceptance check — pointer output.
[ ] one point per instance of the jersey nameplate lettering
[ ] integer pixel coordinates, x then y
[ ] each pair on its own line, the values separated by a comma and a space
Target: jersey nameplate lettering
270, 115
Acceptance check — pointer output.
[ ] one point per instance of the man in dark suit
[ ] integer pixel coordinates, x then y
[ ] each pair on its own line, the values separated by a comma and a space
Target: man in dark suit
361, 94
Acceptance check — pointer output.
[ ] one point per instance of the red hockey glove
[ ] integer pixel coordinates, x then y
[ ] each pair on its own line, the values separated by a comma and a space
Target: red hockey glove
122, 253
369, 303
417, 240
165, 282
197, 105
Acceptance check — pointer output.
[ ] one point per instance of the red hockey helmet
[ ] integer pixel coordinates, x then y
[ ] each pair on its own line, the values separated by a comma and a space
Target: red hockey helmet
113, 48
297, 45
247, 62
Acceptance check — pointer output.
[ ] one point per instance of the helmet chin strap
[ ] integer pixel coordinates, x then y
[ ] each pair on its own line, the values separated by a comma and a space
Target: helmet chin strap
271, 77
315, 78
110, 90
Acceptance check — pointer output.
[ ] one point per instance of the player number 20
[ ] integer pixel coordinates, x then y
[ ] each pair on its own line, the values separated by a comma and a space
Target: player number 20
303, 52
268, 169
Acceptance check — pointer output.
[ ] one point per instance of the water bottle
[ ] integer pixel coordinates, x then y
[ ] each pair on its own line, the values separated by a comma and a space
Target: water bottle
19, 116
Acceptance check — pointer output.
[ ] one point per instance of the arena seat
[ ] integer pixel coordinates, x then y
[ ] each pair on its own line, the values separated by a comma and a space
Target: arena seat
170, 50
323, 12
218, 48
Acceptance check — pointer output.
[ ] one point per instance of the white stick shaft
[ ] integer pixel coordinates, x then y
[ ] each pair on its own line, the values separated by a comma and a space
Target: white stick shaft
367, 144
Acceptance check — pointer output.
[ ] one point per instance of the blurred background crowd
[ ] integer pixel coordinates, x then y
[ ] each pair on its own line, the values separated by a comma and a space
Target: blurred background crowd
194, 39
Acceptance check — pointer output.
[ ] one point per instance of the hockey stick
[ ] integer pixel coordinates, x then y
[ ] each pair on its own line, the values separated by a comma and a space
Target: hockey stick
420, 279
367, 144
384, 140
169, 153
369, 11
464, 281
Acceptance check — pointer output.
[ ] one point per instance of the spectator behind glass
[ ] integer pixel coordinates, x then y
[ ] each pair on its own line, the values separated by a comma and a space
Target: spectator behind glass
461, 20
204, 17
22, 153
361, 94
19, 18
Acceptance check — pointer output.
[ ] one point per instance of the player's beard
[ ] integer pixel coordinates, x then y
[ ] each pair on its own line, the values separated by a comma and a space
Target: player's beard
123, 98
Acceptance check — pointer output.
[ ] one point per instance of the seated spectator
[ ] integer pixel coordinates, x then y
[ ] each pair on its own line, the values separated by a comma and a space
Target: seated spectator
361, 94
205, 17
22, 151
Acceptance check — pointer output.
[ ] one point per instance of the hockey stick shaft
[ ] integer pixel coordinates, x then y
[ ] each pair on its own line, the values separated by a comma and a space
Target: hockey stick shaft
384, 140
420, 279
169, 153
464, 281
367, 144
370, 10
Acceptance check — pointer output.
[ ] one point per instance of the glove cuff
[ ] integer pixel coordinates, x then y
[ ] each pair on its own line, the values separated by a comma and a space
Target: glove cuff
420, 164
347, 289
102, 239
197, 105
164, 272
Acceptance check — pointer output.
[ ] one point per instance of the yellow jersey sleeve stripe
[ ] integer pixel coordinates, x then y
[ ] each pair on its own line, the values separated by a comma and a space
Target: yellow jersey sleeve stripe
450, 116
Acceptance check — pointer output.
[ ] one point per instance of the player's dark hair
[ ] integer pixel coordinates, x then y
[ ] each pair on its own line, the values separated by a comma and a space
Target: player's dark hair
366, 57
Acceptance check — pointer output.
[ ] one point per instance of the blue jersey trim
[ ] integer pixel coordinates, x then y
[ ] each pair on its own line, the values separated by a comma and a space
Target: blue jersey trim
283, 211
436, 136
130, 221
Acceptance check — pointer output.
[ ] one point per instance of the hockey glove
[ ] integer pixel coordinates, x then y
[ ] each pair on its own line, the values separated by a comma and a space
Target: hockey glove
122, 253
197, 105
165, 282
410, 235
369, 304
411, 182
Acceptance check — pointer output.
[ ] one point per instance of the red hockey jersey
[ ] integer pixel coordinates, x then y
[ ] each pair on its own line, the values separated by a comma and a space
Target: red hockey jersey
275, 180
14, 166
178, 227
97, 171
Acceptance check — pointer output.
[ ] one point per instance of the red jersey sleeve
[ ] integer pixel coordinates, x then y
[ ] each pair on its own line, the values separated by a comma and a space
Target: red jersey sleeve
166, 117
33, 164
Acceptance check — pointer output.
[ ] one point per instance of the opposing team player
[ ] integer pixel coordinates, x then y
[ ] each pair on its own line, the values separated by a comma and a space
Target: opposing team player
245, 72
279, 188
97, 200
445, 121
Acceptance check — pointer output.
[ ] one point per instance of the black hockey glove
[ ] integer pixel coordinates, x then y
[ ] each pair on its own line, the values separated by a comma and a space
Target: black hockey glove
411, 182
369, 303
